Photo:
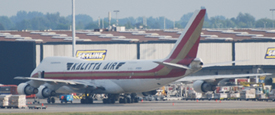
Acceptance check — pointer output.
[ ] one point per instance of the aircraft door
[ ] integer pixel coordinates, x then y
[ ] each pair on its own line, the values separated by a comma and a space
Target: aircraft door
41, 74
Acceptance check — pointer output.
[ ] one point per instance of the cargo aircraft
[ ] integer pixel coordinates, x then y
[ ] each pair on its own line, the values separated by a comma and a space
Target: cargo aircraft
119, 80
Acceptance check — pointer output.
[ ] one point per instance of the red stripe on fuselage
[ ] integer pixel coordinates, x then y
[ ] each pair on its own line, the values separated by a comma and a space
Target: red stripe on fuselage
159, 67
172, 73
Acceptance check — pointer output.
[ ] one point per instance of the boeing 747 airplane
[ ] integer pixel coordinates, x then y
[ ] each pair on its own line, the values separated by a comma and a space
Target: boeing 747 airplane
119, 80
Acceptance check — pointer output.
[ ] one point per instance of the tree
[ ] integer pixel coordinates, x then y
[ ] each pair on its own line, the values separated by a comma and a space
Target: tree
23, 15
91, 25
2, 27
264, 23
6, 22
61, 26
40, 23
128, 25
23, 25
245, 20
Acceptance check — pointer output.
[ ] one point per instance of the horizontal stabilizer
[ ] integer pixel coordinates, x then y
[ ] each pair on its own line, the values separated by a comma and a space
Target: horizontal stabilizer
173, 65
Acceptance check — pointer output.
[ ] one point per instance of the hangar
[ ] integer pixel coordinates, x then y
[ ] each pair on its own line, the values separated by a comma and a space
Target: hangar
22, 51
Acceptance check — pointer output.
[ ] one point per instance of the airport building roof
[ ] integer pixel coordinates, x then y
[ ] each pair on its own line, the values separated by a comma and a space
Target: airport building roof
135, 35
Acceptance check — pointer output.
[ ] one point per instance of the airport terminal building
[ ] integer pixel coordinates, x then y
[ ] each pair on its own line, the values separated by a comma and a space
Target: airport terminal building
22, 51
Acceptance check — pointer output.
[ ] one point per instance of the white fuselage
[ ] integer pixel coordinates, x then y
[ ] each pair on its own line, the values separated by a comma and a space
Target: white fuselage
114, 76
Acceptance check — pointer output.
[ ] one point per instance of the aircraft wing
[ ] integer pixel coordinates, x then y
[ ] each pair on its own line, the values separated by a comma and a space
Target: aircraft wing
49, 80
221, 63
62, 82
173, 65
211, 77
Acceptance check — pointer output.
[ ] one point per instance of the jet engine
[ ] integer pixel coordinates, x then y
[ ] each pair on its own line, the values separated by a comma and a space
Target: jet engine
202, 86
45, 92
26, 89
153, 92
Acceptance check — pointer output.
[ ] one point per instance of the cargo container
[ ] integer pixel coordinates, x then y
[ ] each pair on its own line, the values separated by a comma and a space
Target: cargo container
4, 100
12, 101
221, 96
8, 89
248, 94
234, 96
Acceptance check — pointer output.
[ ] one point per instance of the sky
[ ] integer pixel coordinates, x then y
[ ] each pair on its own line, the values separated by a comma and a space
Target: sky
171, 9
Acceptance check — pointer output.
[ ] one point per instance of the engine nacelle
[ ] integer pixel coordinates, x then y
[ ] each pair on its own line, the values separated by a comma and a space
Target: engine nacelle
26, 89
45, 92
153, 92
202, 86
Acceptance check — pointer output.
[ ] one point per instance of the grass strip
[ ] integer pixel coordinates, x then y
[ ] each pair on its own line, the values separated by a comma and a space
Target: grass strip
165, 112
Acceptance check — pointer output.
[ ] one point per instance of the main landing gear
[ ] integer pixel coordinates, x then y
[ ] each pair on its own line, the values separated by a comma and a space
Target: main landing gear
112, 98
132, 98
126, 98
87, 100
51, 100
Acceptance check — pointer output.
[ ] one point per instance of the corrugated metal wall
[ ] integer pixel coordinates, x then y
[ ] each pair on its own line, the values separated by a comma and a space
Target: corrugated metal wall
215, 52
155, 51
254, 53
208, 52
57, 50
114, 51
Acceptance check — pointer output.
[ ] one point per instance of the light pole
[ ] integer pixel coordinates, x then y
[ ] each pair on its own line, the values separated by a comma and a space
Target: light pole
116, 11
272, 17
164, 23
264, 24
98, 22
73, 27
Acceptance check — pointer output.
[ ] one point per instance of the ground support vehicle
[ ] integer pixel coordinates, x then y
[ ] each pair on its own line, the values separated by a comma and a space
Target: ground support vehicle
220, 96
37, 107
66, 98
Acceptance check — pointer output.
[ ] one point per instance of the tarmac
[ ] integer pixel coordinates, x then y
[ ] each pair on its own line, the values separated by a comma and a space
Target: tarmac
142, 106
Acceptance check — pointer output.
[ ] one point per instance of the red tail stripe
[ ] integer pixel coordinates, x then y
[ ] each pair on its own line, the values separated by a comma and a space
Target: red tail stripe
188, 34
193, 51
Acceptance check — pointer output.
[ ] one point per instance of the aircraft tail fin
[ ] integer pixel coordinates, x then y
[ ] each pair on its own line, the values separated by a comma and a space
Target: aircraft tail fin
186, 47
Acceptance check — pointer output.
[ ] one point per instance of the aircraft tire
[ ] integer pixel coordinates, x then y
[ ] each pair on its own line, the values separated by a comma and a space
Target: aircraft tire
82, 101
128, 100
91, 101
136, 100
112, 101
121, 100
105, 101
49, 100
52, 100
